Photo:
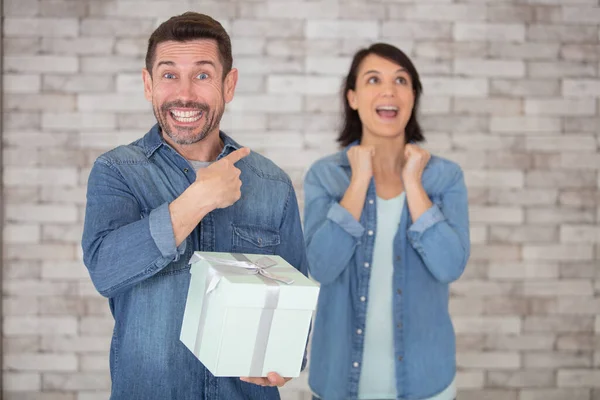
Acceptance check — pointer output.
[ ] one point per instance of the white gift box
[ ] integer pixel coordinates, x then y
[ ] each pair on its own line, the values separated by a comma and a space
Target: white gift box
247, 314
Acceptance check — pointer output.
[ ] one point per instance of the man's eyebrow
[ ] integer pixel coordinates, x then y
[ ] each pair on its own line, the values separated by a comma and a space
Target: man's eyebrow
172, 63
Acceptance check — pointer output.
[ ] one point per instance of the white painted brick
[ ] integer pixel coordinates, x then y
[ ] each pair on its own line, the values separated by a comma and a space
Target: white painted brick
63, 8
456, 86
580, 234
13, 8
488, 360
557, 106
520, 342
40, 396
159, 9
597, 325
522, 270
21, 233
41, 362
39, 102
267, 65
111, 64
489, 394
34, 325
505, 158
267, 28
558, 215
20, 306
580, 52
61, 306
103, 141
561, 179
112, 102
489, 32
555, 394
20, 157
562, 33
503, 215
500, 252
40, 213
18, 83
524, 87
487, 325
291, 10
581, 143
517, 125
558, 288
88, 46
524, 51
478, 288
63, 195
93, 362
579, 198
438, 12
575, 342
558, 360
40, 176
129, 83
581, 15
581, 88
462, 306
44, 27
233, 121
262, 103
579, 306
78, 83
76, 381
469, 379
417, 30
117, 27
434, 105
489, 68
509, 13
520, 379
478, 234
96, 326
62, 270
493, 106
132, 47
137, 120
21, 381
456, 124
560, 69
78, 121
308, 48
283, 84
341, 29
449, 50
558, 252
558, 324
78, 344
494, 178
526, 197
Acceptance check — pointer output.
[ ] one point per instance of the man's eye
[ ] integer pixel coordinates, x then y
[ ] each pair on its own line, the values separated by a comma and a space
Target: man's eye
203, 76
168, 76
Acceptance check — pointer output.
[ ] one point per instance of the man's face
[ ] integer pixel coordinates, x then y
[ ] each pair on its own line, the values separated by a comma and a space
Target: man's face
187, 89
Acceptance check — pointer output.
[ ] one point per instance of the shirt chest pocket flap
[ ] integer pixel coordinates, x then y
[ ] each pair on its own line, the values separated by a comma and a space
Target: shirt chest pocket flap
255, 239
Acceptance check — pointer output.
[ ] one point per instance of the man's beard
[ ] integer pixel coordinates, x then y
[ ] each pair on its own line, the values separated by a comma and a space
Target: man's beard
212, 120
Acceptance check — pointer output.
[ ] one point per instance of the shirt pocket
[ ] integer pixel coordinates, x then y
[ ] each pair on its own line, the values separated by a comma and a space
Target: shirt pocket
254, 239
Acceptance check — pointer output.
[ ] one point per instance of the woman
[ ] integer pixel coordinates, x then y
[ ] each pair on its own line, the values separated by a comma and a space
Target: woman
387, 230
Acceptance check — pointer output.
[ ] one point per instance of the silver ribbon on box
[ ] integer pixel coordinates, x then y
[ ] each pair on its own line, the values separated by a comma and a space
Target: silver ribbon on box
243, 266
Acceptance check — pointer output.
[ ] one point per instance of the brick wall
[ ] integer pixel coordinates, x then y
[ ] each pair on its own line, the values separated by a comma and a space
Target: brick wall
512, 93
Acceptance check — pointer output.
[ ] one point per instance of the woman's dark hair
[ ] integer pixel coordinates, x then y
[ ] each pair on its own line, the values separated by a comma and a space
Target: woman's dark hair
191, 26
352, 126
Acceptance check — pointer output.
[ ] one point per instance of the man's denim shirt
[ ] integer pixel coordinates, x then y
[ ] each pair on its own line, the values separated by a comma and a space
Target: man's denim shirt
129, 250
428, 255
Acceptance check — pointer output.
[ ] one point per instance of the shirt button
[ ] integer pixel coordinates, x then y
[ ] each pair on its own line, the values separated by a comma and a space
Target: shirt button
366, 265
399, 326
399, 291
185, 170
370, 233
359, 331
363, 298
371, 201
355, 364
399, 358
397, 258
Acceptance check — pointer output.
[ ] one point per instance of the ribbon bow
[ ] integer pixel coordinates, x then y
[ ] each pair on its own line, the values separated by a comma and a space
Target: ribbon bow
222, 267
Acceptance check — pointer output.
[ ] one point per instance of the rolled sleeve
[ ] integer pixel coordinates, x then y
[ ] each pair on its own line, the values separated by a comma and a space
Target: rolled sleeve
161, 230
345, 220
429, 218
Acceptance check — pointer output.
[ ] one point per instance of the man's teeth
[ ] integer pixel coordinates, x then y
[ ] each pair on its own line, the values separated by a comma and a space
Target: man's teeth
186, 116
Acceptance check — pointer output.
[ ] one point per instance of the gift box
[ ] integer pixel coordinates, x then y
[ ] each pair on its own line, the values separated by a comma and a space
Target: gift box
247, 314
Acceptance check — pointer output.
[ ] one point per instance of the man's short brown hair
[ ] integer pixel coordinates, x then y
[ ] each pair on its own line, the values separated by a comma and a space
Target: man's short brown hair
191, 26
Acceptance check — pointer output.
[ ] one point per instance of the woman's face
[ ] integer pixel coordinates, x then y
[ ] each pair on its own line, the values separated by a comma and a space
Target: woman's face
384, 97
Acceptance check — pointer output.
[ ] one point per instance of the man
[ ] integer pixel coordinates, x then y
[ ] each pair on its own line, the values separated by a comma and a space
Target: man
178, 189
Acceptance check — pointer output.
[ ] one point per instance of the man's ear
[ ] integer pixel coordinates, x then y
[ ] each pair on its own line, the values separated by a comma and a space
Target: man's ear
147, 78
351, 97
229, 84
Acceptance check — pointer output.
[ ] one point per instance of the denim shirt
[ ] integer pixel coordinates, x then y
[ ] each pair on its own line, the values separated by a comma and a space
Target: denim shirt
129, 250
428, 254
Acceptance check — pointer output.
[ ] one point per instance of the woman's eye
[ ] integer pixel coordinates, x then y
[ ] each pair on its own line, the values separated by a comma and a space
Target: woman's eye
168, 76
203, 76
373, 79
